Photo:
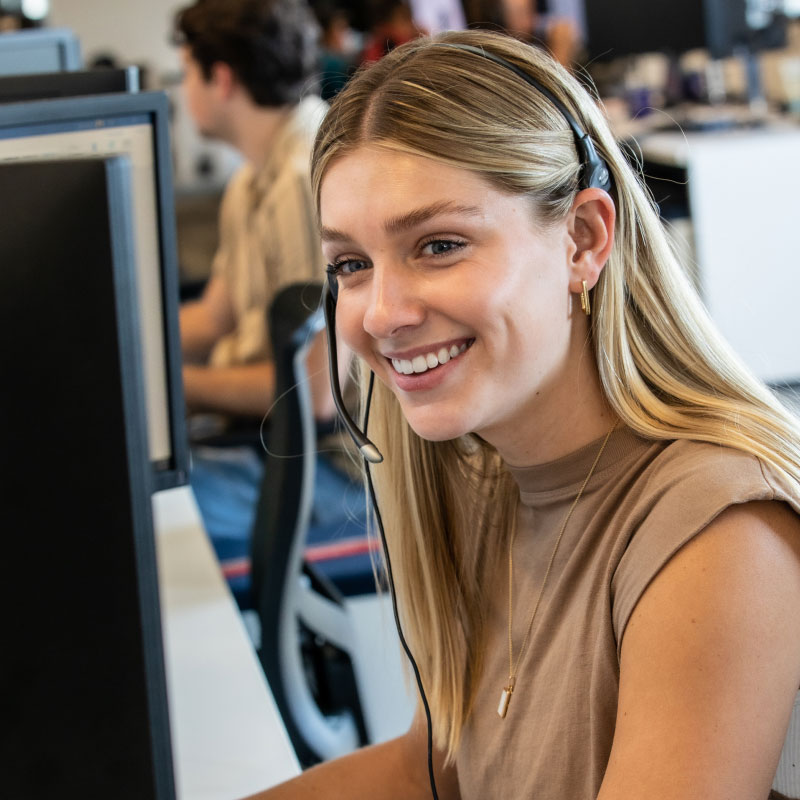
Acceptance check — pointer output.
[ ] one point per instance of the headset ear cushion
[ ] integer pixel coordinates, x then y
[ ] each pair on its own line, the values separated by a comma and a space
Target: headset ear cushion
595, 174
598, 177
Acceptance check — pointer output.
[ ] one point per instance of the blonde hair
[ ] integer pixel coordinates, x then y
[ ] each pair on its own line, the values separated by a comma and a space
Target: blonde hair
664, 369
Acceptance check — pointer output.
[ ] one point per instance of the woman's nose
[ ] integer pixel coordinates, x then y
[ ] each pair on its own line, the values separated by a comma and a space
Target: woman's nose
395, 302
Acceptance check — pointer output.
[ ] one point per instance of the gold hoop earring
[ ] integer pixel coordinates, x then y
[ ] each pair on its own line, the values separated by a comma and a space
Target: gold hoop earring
586, 306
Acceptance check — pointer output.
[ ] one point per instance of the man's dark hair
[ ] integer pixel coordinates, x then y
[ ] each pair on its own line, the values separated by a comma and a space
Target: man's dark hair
271, 45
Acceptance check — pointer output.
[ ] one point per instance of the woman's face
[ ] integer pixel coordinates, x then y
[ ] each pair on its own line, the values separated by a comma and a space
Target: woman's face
453, 292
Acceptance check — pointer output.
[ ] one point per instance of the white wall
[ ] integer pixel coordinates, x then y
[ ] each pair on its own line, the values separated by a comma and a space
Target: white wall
136, 31
139, 32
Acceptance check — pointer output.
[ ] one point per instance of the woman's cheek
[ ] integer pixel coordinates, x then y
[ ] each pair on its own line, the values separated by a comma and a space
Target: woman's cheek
350, 329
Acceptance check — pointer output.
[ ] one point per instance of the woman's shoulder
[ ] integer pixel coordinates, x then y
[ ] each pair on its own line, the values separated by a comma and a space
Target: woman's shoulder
685, 486
681, 454
709, 473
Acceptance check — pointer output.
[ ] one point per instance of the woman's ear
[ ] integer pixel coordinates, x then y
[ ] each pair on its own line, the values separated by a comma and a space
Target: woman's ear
591, 229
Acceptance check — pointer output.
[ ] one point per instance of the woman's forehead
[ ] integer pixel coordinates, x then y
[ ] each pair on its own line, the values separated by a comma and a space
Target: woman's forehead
387, 192
378, 174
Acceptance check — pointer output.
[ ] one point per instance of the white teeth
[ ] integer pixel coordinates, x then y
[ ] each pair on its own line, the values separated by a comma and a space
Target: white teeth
403, 366
428, 361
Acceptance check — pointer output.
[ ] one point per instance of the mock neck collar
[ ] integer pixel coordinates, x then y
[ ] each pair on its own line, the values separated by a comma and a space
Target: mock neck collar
566, 474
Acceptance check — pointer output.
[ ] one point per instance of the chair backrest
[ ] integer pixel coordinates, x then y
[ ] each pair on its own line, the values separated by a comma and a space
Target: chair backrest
285, 499
283, 594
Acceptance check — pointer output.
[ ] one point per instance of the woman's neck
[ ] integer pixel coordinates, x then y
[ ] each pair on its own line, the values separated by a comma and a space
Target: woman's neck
559, 420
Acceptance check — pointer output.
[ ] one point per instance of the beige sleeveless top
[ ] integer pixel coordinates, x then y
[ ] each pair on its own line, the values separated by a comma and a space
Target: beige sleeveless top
645, 501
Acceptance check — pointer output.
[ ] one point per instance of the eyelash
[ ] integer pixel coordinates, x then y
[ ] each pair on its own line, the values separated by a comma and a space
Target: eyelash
336, 267
458, 244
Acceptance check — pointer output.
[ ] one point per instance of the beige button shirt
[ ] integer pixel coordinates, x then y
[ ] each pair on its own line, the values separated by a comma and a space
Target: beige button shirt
268, 234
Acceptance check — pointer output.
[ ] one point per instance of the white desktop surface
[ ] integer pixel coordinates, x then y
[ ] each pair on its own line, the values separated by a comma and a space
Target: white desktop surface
228, 739
680, 149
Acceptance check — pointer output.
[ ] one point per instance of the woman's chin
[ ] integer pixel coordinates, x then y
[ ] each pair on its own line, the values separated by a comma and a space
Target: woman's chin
435, 431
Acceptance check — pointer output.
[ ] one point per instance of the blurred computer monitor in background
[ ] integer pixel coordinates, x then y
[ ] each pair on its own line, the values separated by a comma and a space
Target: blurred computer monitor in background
135, 125
49, 85
39, 50
618, 28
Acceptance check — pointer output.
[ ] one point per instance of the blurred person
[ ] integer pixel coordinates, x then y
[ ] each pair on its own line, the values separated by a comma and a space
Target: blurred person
340, 46
552, 24
249, 68
393, 24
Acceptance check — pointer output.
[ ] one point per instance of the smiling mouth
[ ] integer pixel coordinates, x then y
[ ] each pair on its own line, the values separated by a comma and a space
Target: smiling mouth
428, 361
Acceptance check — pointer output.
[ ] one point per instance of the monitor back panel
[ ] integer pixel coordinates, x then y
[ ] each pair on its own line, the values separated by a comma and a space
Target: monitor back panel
39, 50
79, 83
136, 125
84, 694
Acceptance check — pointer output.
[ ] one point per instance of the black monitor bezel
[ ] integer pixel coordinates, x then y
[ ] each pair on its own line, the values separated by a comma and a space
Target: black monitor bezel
154, 105
33, 86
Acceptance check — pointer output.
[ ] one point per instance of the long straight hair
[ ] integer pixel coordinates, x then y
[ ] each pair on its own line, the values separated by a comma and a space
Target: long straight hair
449, 506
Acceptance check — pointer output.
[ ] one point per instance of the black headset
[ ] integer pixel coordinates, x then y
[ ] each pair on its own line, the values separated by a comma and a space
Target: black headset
594, 174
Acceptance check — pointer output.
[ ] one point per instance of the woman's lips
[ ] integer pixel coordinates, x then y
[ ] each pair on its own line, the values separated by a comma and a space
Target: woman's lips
427, 369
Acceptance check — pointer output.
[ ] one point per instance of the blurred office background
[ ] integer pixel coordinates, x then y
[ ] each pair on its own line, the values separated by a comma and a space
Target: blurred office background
647, 66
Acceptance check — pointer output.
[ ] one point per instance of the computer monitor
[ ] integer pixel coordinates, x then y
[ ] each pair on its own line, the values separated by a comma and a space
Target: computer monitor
135, 125
84, 690
49, 85
39, 50
618, 28
744, 25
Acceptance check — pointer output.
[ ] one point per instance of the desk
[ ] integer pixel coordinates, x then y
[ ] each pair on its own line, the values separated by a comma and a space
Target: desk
228, 739
744, 206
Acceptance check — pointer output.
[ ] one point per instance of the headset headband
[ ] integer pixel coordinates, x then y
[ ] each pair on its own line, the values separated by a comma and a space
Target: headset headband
594, 171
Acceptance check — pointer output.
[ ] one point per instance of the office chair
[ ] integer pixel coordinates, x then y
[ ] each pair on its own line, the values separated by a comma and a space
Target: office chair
307, 633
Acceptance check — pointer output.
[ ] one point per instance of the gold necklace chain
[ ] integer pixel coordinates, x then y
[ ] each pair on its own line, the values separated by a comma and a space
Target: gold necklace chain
508, 690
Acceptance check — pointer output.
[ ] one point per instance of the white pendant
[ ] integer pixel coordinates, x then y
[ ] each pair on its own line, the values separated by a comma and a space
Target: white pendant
505, 699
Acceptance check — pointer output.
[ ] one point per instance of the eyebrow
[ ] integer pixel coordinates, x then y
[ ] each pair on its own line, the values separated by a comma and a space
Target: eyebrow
411, 219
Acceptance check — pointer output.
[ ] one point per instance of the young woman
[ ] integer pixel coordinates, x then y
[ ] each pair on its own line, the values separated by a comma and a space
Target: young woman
591, 506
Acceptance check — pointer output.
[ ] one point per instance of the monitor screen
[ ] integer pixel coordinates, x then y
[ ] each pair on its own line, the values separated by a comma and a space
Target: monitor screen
618, 28
48, 85
135, 125
40, 50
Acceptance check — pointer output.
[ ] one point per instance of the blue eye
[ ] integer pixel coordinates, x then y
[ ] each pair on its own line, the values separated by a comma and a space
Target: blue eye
346, 266
442, 247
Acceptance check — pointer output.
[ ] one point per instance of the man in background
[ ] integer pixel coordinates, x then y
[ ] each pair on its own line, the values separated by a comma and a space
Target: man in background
248, 80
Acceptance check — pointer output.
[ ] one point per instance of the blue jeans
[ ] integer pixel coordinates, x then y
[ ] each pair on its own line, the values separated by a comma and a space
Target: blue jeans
227, 480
